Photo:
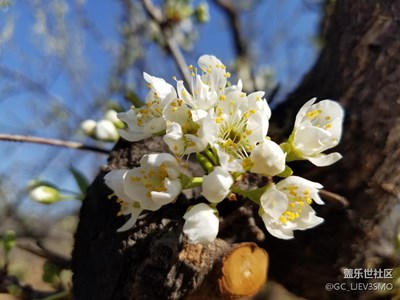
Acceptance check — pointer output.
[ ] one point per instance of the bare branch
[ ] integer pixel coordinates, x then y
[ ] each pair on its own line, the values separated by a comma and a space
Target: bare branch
171, 44
42, 251
233, 18
333, 197
51, 142
241, 50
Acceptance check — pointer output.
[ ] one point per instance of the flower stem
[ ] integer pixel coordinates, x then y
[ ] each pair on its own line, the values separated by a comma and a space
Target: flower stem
205, 163
253, 195
190, 182
211, 156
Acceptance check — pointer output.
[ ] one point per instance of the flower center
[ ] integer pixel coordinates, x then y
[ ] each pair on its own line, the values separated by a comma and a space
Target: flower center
233, 137
153, 180
149, 112
297, 200
318, 119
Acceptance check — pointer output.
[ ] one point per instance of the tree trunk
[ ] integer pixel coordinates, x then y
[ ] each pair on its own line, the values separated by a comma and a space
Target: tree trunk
358, 67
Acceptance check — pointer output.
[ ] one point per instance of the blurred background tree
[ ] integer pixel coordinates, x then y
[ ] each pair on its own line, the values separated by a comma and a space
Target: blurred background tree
65, 62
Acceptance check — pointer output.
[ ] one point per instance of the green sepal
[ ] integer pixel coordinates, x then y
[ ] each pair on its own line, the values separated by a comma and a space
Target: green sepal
253, 195
51, 272
81, 180
188, 182
9, 240
286, 173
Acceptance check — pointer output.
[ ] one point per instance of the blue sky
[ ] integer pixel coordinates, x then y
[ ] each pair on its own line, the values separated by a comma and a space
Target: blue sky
281, 34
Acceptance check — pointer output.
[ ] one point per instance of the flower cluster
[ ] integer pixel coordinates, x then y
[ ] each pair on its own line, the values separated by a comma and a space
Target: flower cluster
105, 130
227, 130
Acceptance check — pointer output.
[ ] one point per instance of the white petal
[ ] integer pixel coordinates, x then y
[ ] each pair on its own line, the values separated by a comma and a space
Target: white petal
258, 124
199, 144
133, 136
205, 97
106, 131
159, 85
115, 181
308, 219
310, 140
227, 162
209, 129
157, 159
183, 92
274, 202
133, 189
268, 159
174, 138
302, 112
214, 72
329, 107
88, 127
325, 160
298, 181
276, 230
176, 112
216, 185
201, 224
155, 126
135, 212
173, 187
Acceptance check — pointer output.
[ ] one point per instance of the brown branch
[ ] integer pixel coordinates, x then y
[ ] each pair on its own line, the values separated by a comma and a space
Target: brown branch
42, 251
334, 198
171, 44
244, 62
51, 142
233, 18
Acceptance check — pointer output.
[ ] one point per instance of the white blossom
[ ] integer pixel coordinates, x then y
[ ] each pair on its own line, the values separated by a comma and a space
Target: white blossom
216, 185
267, 159
183, 134
286, 206
214, 73
237, 125
148, 120
148, 187
317, 127
201, 225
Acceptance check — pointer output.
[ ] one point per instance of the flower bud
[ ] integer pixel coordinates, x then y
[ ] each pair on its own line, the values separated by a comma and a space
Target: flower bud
105, 131
88, 127
202, 13
111, 115
201, 224
44, 194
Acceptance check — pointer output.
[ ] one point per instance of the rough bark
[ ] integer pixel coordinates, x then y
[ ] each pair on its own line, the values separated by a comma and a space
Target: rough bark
359, 66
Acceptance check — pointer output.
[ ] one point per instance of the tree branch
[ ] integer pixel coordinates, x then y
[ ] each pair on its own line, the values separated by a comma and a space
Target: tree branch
42, 251
244, 62
171, 44
51, 142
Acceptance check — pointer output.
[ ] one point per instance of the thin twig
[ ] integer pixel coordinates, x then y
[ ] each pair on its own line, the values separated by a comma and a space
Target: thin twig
238, 40
58, 259
233, 18
171, 44
51, 142
333, 197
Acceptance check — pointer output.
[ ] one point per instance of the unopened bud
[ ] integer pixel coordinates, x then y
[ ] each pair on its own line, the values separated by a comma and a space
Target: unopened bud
111, 115
106, 131
44, 194
88, 127
202, 13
